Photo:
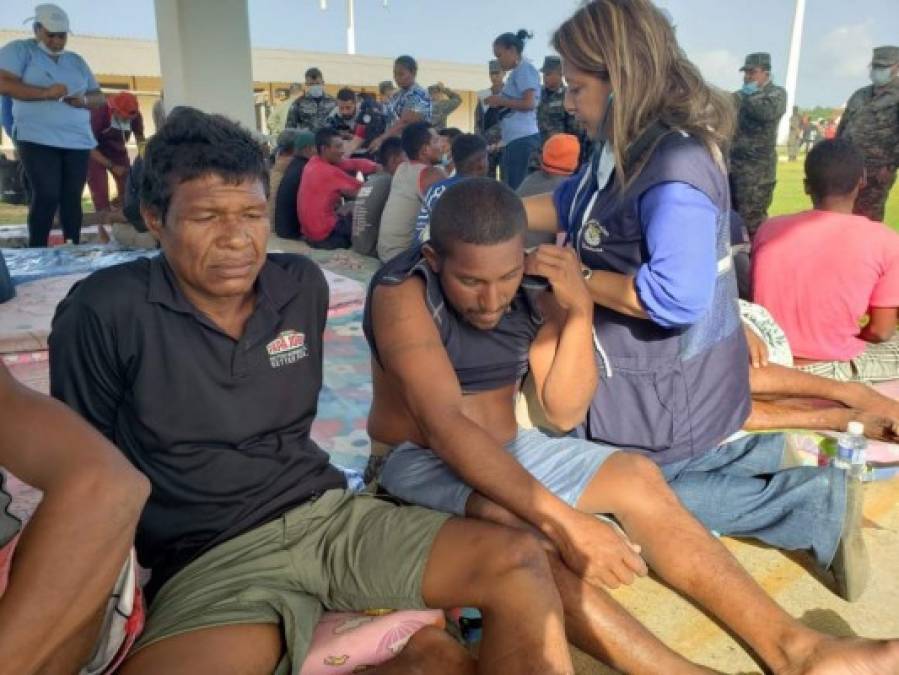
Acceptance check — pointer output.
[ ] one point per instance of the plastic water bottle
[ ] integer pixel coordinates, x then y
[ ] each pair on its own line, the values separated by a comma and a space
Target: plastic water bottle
851, 449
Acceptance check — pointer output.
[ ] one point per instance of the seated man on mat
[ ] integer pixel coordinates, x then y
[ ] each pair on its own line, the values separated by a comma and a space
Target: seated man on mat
58, 610
784, 397
821, 271
453, 329
204, 365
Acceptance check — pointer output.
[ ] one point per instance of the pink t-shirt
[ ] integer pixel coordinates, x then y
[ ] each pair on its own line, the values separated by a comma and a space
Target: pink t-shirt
818, 272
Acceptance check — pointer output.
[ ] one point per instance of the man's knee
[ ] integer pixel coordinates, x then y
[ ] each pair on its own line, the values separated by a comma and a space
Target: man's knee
516, 551
640, 479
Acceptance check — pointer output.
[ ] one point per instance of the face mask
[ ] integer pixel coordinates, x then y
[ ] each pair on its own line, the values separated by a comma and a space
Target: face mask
445, 159
121, 125
44, 48
881, 76
749, 88
315, 91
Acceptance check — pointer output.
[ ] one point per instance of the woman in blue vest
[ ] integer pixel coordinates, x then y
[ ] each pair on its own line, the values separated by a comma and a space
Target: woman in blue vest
649, 219
52, 90
518, 99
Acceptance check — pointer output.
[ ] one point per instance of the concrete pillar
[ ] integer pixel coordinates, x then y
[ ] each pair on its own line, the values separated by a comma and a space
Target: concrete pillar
204, 56
792, 78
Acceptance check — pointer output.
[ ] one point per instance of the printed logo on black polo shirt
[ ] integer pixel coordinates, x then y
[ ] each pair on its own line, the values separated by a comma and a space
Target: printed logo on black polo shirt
289, 347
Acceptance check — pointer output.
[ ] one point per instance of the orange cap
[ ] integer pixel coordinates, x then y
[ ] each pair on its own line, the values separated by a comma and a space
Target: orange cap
124, 103
560, 154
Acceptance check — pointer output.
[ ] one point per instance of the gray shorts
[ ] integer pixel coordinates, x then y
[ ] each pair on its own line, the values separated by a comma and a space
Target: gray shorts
565, 466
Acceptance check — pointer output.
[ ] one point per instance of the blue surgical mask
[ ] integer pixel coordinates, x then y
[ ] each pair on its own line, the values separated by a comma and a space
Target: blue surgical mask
881, 76
750, 88
315, 91
445, 159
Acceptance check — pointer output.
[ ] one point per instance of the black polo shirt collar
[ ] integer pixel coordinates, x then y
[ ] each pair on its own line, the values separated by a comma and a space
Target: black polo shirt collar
274, 289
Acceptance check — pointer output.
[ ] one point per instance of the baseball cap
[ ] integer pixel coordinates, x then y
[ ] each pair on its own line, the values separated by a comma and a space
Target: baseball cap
560, 154
885, 56
303, 139
757, 60
124, 103
51, 17
551, 64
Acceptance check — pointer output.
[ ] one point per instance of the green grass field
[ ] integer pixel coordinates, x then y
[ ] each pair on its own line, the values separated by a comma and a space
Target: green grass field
789, 197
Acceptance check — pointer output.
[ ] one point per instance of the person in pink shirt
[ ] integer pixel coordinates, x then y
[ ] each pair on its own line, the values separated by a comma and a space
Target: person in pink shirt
821, 272
324, 221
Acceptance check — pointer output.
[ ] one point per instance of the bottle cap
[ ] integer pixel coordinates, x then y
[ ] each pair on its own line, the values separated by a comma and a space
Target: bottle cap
856, 428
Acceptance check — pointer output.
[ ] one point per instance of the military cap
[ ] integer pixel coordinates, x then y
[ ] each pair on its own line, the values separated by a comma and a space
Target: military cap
551, 64
757, 60
885, 56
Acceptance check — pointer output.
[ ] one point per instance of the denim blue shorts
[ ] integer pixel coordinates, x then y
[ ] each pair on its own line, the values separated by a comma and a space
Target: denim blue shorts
565, 466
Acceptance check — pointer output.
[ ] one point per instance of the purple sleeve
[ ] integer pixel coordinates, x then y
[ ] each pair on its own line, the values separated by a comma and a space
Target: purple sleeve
679, 224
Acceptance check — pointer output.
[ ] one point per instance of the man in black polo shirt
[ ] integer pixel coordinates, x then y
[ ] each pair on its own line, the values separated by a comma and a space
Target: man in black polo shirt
204, 365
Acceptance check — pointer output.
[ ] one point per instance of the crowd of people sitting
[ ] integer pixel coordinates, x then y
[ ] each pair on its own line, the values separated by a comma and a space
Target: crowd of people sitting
596, 283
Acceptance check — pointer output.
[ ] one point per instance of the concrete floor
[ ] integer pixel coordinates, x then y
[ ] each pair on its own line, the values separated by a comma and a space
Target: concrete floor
688, 631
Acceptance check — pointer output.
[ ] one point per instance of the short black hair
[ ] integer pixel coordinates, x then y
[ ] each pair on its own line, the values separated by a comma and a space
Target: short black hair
192, 144
499, 214
452, 133
407, 62
389, 148
323, 138
314, 74
416, 136
466, 149
833, 167
346, 94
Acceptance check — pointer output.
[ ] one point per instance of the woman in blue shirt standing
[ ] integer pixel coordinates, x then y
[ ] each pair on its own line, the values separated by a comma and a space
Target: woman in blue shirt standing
649, 218
519, 97
52, 90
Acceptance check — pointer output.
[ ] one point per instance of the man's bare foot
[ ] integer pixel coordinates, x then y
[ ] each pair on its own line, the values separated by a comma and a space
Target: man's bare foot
431, 651
850, 656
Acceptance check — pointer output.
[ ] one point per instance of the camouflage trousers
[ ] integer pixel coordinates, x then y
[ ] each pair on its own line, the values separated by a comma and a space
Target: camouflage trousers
872, 199
751, 190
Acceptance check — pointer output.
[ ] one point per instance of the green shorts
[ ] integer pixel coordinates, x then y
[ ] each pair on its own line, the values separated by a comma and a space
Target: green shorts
341, 552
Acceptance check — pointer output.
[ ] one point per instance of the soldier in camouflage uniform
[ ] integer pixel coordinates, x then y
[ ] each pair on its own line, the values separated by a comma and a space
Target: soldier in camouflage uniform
871, 122
552, 117
311, 110
753, 154
794, 139
487, 119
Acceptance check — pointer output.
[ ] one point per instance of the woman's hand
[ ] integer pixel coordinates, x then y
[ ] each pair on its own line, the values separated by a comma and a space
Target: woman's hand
55, 92
758, 350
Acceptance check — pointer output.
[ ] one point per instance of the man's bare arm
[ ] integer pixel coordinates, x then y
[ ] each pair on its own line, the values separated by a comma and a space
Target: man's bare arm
411, 351
69, 556
881, 324
562, 360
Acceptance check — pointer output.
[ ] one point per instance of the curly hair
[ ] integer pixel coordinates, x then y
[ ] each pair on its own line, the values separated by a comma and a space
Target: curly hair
192, 144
